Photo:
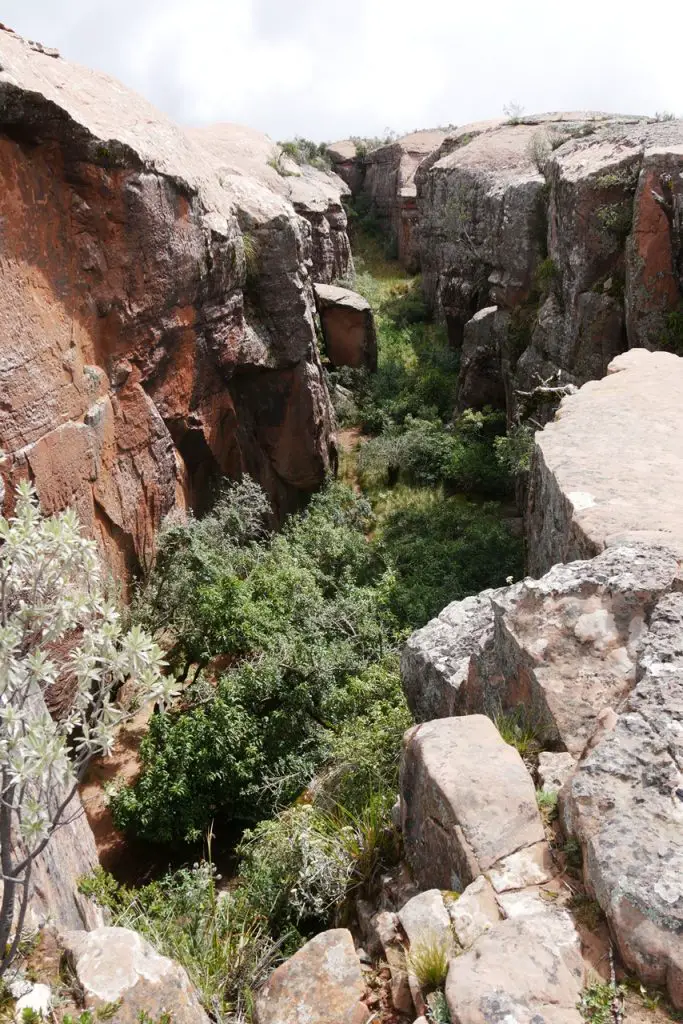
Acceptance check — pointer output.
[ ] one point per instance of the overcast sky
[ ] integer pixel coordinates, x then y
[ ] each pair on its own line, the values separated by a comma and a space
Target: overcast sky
331, 68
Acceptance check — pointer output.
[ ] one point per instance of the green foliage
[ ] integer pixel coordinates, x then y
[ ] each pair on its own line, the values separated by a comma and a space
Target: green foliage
443, 548
573, 854
300, 867
514, 449
671, 339
514, 112
427, 960
586, 911
252, 257
437, 1008
366, 144
599, 1001
304, 151
622, 177
616, 218
516, 729
547, 804
302, 615
216, 935
547, 276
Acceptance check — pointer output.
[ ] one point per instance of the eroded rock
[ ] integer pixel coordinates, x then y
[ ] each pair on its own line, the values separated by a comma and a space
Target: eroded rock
321, 984
625, 805
596, 477
526, 969
467, 801
348, 326
147, 348
116, 965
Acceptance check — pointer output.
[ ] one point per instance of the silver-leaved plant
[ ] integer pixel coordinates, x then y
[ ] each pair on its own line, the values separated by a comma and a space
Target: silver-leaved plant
57, 628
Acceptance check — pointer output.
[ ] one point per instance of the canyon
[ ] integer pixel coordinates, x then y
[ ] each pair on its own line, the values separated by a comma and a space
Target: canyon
162, 293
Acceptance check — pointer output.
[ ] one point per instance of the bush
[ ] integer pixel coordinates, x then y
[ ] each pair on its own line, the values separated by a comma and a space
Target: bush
61, 645
300, 867
443, 548
428, 962
304, 151
301, 615
223, 944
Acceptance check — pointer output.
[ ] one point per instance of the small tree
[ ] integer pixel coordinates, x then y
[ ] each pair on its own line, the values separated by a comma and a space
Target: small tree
57, 628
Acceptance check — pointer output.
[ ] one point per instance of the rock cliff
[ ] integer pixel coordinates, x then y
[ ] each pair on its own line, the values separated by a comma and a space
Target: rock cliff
591, 652
562, 233
156, 322
385, 179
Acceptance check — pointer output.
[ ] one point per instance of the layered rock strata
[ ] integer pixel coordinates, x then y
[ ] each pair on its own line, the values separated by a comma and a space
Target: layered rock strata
566, 230
157, 317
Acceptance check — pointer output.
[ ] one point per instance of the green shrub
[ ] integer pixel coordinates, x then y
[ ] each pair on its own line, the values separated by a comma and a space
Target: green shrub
304, 151
217, 936
443, 548
300, 867
515, 449
301, 614
517, 730
599, 1001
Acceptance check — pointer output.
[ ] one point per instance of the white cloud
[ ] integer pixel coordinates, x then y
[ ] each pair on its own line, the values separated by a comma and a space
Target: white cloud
328, 68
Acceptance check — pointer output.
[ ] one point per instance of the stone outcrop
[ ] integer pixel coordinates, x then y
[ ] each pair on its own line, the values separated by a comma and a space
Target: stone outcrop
592, 653
467, 801
389, 185
321, 984
118, 966
316, 195
141, 353
609, 469
348, 326
526, 970
347, 163
625, 805
563, 232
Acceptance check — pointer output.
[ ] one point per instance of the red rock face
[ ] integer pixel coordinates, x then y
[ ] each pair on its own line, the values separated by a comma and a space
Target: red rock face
133, 372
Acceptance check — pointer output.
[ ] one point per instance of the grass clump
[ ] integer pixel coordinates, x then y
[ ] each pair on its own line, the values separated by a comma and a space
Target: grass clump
516, 730
587, 911
427, 960
601, 1002
616, 218
547, 804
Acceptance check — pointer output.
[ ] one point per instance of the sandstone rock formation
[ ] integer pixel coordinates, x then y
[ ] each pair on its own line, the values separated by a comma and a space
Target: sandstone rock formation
316, 195
321, 984
347, 163
592, 652
141, 355
116, 965
564, 233
525, 970
467, 801
598, 471
385, 178
348, 326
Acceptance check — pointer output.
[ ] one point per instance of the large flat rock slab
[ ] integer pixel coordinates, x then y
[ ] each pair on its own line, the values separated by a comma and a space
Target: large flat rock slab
467, 801
116, 965
609, 469
525, 970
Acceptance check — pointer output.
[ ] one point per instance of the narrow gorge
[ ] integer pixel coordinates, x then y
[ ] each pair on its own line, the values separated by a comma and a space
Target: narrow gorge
379, 446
